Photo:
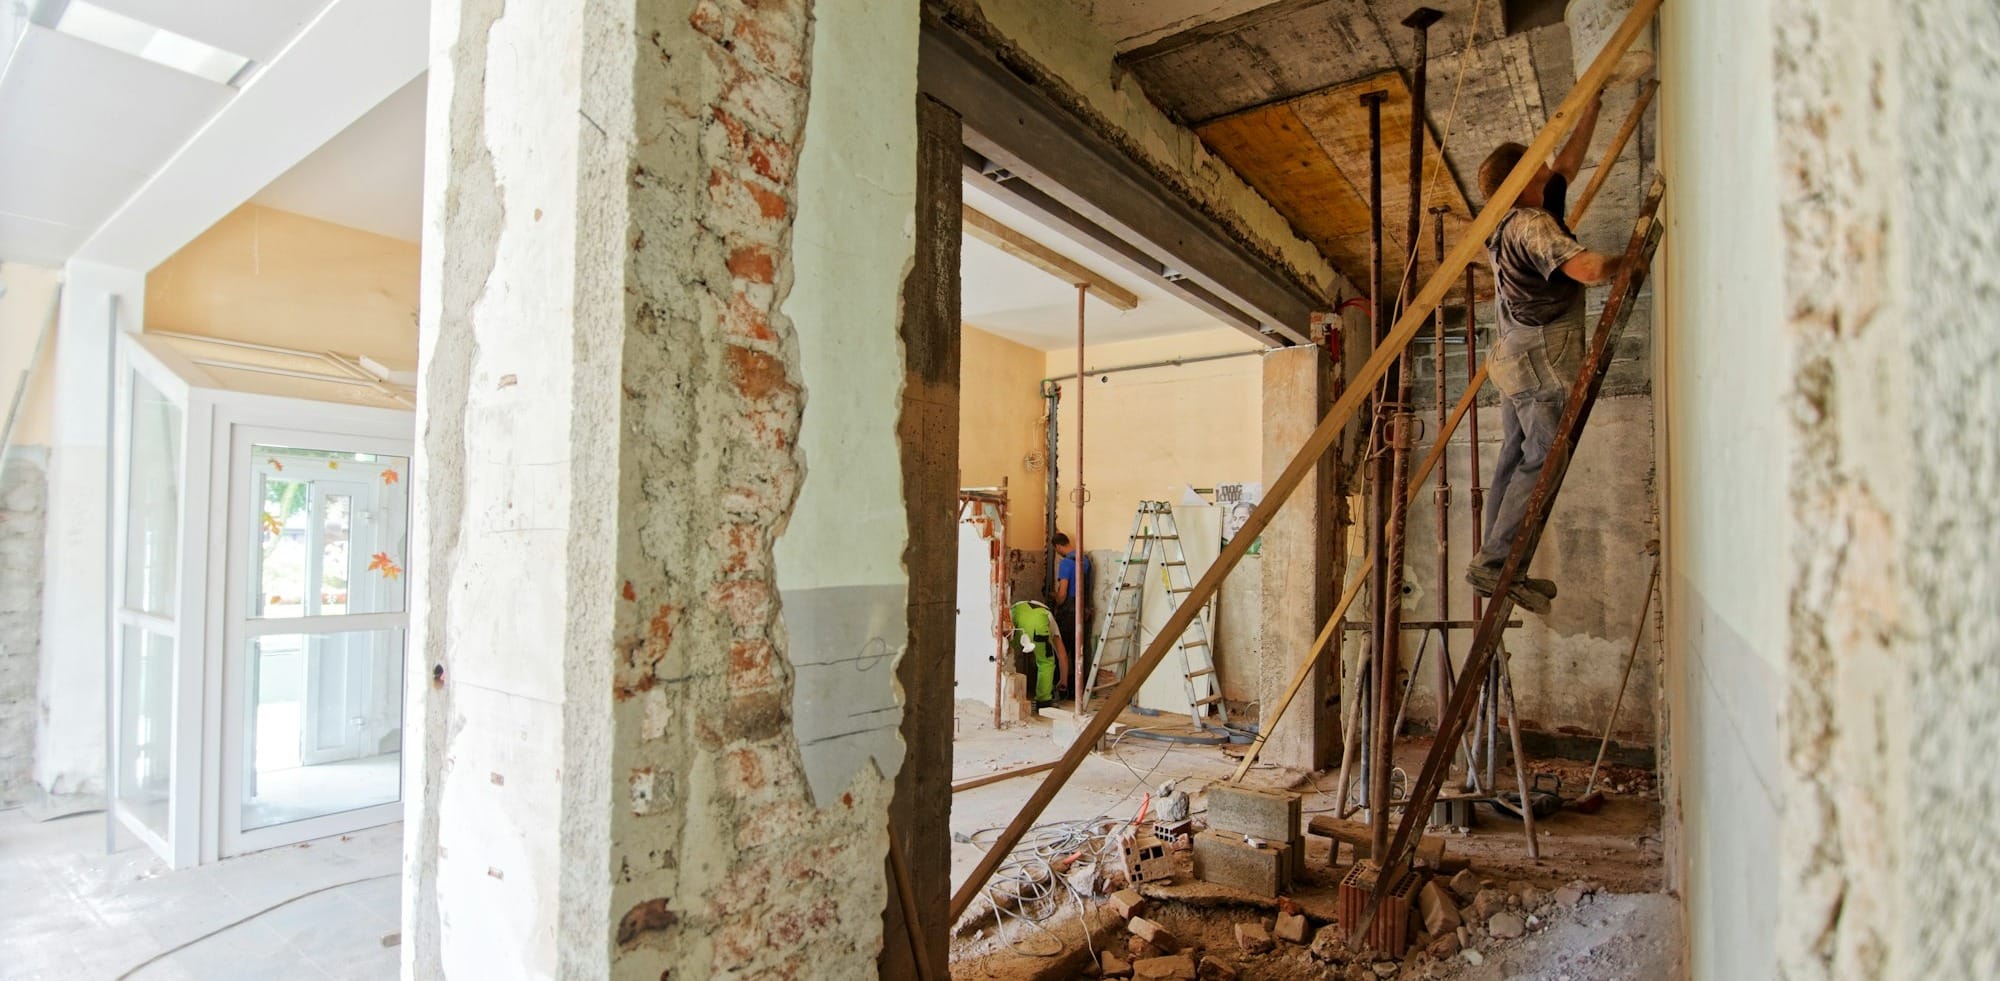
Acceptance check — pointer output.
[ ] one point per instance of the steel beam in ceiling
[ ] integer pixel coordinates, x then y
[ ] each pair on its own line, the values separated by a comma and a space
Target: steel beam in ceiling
1029, 151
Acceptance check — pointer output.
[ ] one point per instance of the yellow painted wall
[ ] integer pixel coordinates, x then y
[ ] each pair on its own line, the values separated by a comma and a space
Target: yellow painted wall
1148, 433
24, 311
274, 277
1000, 424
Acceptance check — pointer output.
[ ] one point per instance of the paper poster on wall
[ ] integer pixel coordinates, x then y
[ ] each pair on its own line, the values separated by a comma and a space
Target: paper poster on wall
1236, 502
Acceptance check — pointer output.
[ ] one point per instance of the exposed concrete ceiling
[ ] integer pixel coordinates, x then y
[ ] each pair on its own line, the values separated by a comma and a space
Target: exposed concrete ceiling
1209, 63
87, 126
370, 177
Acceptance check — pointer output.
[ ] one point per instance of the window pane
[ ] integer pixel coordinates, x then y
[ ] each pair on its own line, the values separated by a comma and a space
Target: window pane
326, 725
145, 725
153, 503
332, 532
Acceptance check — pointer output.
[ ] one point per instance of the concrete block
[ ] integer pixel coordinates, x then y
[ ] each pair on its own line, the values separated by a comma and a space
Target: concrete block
1227, 860
1273, 817
1127, 903
1179, 967
1153, 933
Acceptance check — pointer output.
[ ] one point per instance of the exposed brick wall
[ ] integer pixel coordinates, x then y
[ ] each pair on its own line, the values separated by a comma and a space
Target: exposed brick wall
23, 504
725, 865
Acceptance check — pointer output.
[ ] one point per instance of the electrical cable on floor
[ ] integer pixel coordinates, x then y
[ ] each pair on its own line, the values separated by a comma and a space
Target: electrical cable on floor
233, 924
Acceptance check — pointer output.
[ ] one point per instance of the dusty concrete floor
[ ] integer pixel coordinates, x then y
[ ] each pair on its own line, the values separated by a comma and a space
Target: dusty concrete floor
1622, 932
68, 910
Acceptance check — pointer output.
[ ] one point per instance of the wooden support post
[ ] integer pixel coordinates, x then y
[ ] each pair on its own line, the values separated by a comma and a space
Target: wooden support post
1295, 473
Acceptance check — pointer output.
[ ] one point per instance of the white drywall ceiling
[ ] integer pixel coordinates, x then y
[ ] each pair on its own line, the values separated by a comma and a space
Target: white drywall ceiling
1004, 295
370, 177
85, 126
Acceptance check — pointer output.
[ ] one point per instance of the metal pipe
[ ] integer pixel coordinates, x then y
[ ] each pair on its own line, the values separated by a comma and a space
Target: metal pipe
1079, 585
1442, 496
1375, 775
1052, 492
1520, 756
1167, 363
1488, 734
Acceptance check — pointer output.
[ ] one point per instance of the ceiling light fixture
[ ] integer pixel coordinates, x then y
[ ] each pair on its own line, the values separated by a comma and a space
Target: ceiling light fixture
90, 22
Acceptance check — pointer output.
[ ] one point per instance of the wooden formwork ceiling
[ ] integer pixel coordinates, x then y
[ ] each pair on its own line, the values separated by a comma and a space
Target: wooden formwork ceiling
1308, 155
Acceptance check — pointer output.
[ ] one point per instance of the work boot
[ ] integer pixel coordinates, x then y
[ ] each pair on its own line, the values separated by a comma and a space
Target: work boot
1532, 595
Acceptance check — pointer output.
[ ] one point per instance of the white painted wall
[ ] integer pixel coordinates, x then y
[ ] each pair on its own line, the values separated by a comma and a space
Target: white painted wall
840, 559
98, 302
1722, 387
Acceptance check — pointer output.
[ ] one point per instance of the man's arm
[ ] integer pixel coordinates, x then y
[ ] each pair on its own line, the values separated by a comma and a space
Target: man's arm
1062, 590
1591, 268
1570, 160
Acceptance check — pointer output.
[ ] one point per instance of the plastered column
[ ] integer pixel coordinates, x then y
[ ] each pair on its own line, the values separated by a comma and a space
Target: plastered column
99, 302
1297, 562
609, 781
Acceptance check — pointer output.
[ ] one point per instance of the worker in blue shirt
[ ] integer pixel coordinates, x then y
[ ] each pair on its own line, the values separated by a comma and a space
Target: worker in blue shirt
1067, 595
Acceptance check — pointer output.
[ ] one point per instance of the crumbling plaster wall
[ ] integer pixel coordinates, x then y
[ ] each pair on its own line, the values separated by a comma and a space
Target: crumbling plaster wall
610, 780
1056, 45
1830, 609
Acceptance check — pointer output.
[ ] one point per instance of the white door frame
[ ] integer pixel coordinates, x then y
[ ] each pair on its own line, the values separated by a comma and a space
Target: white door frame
229, 659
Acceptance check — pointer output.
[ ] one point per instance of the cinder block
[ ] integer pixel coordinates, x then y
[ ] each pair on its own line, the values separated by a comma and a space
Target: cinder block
1273, 817
1227, 860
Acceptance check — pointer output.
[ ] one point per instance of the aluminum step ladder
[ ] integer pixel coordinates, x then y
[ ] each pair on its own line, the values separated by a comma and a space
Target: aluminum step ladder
1153, 527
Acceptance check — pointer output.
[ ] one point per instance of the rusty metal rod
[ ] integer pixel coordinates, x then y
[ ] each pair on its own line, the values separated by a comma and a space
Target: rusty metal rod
1617, 147
1288, 480
1079, 583
1375, 772
1443, 493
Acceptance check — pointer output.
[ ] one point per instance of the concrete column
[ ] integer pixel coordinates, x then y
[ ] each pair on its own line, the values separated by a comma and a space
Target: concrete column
606, 775
98, 303
1298, 562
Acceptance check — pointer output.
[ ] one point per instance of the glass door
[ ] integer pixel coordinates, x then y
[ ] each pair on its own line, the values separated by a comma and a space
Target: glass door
149, 784
314, 658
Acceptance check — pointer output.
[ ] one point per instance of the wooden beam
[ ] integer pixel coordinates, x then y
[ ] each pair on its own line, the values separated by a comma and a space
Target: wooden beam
985, 228
1019, 771
1359, 388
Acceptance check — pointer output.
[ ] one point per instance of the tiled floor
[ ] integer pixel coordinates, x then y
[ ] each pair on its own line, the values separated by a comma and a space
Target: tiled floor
67, 910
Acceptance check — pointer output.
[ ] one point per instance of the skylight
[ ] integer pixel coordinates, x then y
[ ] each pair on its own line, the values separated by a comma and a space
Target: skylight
118, 32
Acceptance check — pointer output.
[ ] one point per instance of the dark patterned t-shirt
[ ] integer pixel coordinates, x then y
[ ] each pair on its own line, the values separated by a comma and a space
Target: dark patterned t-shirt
1527, 252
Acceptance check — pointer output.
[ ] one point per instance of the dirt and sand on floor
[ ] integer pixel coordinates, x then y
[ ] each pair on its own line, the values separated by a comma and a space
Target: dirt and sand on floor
1622, 928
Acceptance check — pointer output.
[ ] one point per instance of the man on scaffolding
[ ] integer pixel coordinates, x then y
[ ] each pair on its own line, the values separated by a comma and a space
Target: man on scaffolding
1539, 271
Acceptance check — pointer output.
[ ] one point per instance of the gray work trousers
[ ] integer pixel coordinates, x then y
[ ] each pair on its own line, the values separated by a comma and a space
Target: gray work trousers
1533, 368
